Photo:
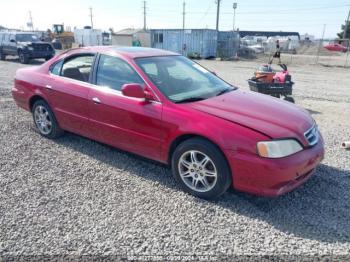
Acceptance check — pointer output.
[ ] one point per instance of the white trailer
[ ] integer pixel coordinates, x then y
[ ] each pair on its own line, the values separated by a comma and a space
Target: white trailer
88, 37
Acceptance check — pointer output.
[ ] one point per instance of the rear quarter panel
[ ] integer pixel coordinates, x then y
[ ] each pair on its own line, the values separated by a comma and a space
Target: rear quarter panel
28, 82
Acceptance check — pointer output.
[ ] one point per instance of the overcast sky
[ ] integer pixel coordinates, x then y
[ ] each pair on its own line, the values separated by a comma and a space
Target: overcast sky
298, 15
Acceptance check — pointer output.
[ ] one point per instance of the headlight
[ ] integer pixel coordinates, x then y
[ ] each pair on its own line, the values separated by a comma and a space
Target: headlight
30, 48
278, 148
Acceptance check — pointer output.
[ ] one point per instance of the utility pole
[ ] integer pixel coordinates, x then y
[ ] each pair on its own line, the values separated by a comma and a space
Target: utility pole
31, 20
183, 15
217, 14
144, 15
92, 24
234, 15
320, 44
346, 25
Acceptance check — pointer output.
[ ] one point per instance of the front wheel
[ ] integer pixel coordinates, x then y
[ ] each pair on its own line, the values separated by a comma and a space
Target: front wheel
201, 169
23, 58
45, 120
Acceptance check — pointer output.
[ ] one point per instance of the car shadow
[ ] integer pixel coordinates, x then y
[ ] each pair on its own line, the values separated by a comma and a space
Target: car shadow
319, 210
14, 59
313, 112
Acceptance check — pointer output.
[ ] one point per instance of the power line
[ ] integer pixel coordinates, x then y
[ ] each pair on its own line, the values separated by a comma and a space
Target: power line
276, 10
205, 14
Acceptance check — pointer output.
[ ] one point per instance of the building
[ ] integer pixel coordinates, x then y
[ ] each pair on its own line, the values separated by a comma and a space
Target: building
228, 44
204, 43
132, 37
189, 42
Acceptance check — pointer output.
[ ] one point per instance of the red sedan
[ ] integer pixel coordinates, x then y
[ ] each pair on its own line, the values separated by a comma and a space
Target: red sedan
336, 47
168, 108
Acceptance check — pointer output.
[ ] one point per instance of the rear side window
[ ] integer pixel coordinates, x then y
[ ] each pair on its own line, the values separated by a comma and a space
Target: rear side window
56, 68
114, 73
78, 67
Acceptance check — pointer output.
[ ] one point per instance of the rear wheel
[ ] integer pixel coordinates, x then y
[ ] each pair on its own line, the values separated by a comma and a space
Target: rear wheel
23, 58
45, 120
201, 169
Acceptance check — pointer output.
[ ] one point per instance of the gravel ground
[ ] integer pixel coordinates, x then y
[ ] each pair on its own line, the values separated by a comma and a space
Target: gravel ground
74, 197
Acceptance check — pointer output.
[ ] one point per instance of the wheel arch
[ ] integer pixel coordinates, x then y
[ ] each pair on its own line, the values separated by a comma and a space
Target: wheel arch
34, 99
184, 137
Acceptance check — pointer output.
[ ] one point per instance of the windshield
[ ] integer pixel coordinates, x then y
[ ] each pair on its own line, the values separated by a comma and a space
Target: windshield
27, 38
182, 80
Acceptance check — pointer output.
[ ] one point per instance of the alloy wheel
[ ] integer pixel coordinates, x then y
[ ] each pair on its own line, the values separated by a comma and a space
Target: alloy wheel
42, 120
197, 170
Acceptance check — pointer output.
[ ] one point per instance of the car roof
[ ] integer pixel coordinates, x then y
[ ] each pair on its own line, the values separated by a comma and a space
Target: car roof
131, 52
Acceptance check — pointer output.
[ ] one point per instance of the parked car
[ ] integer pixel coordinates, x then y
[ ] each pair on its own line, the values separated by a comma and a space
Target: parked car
165, 107
336, 47
24, 45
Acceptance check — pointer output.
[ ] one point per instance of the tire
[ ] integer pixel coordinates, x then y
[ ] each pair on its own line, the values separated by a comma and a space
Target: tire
196, 178
289, 99
2, 55
23, 58
45, 120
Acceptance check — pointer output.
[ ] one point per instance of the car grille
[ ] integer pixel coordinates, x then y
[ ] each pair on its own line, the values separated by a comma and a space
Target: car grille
42, 47
311, 135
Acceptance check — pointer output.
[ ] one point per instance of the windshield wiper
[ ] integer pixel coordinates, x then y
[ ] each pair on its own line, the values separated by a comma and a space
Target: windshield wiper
224, 91
190, 99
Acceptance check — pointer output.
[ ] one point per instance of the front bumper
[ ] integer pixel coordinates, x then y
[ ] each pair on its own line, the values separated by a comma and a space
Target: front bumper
274, 177
39, 54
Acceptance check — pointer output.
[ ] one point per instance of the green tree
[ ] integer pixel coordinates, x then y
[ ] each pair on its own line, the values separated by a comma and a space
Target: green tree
347, 34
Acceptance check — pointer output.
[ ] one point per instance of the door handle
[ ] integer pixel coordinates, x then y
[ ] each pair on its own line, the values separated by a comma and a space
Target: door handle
96, 100
48, 87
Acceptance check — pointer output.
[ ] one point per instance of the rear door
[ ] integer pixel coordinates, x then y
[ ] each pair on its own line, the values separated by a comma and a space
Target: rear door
128, 123
68, 88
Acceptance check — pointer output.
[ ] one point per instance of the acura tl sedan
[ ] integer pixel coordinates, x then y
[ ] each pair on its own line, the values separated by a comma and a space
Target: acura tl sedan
165, 107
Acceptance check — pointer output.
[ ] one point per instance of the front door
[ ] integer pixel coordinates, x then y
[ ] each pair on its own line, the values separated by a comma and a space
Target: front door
128, 123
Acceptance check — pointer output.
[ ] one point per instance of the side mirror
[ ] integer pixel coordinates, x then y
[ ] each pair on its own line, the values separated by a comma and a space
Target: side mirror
13, 41
133, 90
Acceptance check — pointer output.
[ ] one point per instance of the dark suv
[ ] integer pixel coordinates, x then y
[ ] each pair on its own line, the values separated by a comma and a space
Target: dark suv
25, 45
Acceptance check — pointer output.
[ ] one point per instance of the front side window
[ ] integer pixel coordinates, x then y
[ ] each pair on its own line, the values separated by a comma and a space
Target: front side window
182, 80
113, 72
78, 68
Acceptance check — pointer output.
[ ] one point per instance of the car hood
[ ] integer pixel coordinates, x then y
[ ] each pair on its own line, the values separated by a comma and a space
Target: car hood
272, 117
